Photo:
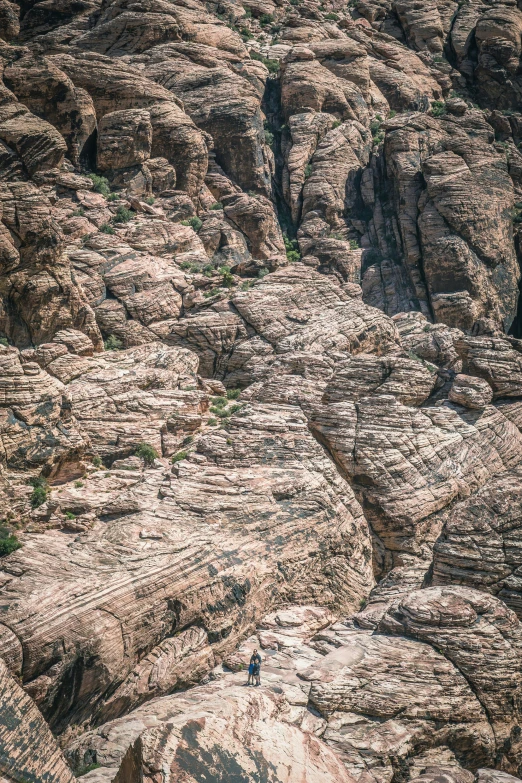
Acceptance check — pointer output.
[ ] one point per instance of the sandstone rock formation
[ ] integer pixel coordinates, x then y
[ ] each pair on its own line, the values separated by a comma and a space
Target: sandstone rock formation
260, 387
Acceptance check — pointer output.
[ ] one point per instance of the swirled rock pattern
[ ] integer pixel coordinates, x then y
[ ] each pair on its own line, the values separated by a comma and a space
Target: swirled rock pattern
260, 388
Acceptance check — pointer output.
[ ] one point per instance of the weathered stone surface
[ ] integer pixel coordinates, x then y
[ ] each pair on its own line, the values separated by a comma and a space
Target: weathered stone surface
274, 249
279, 475
27, 747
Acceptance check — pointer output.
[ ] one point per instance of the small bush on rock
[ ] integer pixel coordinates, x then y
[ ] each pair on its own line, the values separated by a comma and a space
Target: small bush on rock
113, 343
193, 222
123, 215
101, 184
147, 453
233, 394
39, 493
8, 542
438, 108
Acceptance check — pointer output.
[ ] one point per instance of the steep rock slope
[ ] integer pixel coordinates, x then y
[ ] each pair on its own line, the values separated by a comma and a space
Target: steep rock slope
260, 374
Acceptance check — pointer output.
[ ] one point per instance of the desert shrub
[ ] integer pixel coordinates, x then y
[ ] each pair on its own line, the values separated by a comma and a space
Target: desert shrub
307, 170
292, 249
40, 491
179, 456
107, 229
228, 277
217, 205
233, 394
113, 343
147, 453
194, 222
8, 542
438, 108
123, 215
101, 184
89, 768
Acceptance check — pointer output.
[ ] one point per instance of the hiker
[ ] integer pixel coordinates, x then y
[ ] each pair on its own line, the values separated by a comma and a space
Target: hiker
254, 668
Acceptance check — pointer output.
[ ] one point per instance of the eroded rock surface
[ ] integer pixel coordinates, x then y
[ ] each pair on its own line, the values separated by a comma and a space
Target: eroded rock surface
260, 373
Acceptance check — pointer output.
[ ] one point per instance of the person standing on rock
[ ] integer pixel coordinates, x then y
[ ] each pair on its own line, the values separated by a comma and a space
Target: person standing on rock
254, 668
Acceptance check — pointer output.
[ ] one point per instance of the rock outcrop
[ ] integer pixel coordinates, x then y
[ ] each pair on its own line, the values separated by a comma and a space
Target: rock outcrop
260, 388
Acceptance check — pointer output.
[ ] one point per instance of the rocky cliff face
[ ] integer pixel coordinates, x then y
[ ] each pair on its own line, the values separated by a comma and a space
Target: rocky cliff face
260, 387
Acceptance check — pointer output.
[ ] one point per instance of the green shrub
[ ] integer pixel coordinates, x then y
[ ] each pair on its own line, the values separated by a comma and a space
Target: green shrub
4, 341
234, 409
213, 292
233, 394
107, 229
80, 212
265, 19
8, 543
101, 184
307, 170
78, 484
70, 515
272, 65
123, 215
292, 249
150, 200
228, 278
269, 138
438, 108
336, 123
185, 265
354, 244
187, 440
179, 456
333, 17
89, 768
392, 114
263, 272
113, 343
217, 205
147, 453
245, 34
194, 222
96, 461
40, 491
212, 422
113, 197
